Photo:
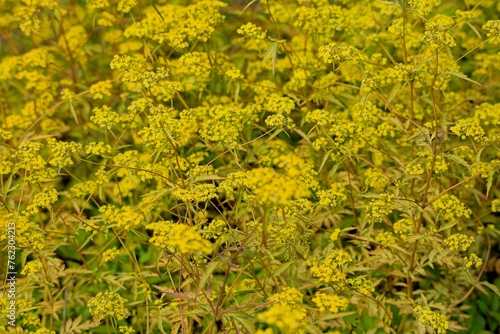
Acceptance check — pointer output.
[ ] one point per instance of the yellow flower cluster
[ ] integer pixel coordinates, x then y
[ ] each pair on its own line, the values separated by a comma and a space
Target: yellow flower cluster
319, 116
45, 199
469, 128
100, 89
335, 234
279, 104
385, 238
333, 196
250, 30
289, 296
197, 193
31, 268
180, 237
415, 169
167, 124
286, 318
450, 207
488, 114
436, 32
176, 25
432, 319
377, 209
492, 29
336, 53
104, 117
473, 260
98, 148
215, 229
403, 228
375, 179
126, 216
61, 152
107, 304
224, 123
330, 303
361, 285
280, 121
126, 329
264, 181
424, 7
495, 205
110, 254
234, 74
459, 242
330, 270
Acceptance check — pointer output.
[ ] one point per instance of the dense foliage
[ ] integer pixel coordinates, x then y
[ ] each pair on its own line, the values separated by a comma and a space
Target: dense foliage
291, 166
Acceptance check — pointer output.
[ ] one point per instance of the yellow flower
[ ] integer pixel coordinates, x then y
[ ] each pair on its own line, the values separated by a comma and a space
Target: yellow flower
432, 319
473, 259
295, 320
330, 303
107, 304
385, 238
180, 237
336, 53
110, 254
100, 89
459, 242
495, 205
450, 207
492, 29
403, 227
335, 234
333, 196
424, 7
31, 268
197, 193
250, 30
377, 209
329, 271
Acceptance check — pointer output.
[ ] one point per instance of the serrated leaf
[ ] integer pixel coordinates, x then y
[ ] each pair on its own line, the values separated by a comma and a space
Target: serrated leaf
244, 320
462, 76
492, 287
457, 159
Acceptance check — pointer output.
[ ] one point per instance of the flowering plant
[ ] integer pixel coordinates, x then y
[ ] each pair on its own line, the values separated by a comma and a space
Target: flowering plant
208, 166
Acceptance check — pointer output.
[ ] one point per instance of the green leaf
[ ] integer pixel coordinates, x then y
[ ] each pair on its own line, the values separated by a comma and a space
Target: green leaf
489, 183
337, 315
245, 320
246, 7
457, 159
447, 226
271, 53
492, 287
208, 271
73, 112
236, 91
282, 268
395, 90
462, 76
325, 158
